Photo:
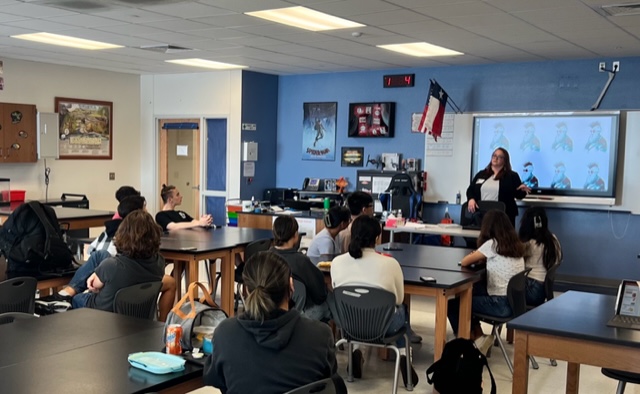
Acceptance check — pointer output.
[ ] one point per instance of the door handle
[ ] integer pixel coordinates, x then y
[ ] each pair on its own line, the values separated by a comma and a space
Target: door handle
196, 187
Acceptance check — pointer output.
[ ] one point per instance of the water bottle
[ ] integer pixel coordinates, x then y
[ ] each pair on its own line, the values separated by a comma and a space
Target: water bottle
399, 214
327, 204
446, 214
458, 197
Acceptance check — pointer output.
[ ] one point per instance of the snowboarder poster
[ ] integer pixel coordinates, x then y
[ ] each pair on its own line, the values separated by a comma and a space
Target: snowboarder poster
319, 131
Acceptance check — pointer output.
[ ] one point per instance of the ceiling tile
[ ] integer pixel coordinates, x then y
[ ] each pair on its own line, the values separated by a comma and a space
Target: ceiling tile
389, 18
81, 20
232, 20
132, 15
34, 11
450, 10
353, 7
187, 10
248, 5
179, 25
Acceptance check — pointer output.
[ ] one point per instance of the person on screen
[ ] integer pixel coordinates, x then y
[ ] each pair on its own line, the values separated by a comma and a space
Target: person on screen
497, 182
499, 139
530, 142
528, 178
594, 182
171, 219
560, 179
319, 128
270, 348
596, 140
542, 252
562, 141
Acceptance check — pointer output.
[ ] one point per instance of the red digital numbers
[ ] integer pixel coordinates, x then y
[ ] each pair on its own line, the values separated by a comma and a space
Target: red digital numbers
398, 81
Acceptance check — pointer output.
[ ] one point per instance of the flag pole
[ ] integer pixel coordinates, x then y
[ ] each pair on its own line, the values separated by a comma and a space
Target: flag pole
450, 101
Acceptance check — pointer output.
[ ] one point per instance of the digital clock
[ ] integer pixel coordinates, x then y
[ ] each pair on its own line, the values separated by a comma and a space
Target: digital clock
399, 81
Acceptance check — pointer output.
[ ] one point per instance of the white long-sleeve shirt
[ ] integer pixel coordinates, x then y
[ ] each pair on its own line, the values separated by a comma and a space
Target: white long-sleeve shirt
372, 269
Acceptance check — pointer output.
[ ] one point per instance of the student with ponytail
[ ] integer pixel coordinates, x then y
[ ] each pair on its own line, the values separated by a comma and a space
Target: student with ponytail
270, 348
543, 251
363, 266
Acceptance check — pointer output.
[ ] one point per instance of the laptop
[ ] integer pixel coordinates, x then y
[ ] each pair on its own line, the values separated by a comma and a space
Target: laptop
627, 306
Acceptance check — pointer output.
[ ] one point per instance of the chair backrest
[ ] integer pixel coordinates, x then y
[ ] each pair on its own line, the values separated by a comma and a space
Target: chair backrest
299, 296
139, 300
364, 312
467, 218
18, 295
549, 280
254, 247
324, 386
517, 292
10, 317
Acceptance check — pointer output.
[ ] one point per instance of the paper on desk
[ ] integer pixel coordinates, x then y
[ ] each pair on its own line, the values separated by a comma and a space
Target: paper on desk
414, 225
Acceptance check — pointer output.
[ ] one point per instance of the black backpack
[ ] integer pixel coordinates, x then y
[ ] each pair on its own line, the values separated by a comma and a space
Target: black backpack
460, 369
32, 242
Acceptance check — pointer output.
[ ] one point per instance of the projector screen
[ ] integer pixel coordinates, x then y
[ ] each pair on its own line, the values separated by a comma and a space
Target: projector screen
558, 155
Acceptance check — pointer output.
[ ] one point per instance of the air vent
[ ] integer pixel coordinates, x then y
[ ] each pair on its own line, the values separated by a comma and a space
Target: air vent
621, 9
167, 49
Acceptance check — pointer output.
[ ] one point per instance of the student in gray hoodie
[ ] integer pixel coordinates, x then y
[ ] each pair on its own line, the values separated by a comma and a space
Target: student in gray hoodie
270, 348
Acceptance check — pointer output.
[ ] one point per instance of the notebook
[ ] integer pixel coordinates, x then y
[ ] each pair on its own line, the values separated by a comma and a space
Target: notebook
627, 306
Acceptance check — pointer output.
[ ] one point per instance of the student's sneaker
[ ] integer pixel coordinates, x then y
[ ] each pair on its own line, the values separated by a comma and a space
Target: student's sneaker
50, 307
403, 371
413, 337
55, 297
484, 343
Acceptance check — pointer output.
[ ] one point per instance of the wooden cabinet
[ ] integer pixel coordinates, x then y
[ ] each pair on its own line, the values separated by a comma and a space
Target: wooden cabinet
265, 221
18, 133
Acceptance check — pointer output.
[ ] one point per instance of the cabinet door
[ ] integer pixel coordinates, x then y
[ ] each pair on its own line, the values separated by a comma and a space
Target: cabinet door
20, 134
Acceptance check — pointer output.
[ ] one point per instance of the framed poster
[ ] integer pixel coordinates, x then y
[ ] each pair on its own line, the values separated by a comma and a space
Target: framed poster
319, 131
352, 156
85, 128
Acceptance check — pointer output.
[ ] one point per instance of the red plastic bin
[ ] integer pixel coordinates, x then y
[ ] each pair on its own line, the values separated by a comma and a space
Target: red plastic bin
16, 195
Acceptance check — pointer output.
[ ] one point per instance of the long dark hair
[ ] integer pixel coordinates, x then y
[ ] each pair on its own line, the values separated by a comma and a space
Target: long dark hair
364, 231
506, 168
284, 228
497, 226
266, 276
138, 236
534, 225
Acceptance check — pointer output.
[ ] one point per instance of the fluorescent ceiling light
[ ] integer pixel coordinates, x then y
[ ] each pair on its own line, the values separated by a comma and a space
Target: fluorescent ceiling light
66, 41
305, 18
205, 63
420, 49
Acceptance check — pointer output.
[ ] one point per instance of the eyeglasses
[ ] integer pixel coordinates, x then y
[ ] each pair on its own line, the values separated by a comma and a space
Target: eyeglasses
497, 157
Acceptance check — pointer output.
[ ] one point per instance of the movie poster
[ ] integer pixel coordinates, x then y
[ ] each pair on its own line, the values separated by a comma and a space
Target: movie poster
319, 131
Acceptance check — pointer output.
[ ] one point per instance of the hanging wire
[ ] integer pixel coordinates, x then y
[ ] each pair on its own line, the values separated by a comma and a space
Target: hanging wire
626, 227
47, 171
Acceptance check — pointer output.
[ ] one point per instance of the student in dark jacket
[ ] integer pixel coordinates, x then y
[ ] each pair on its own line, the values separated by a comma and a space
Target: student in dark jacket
497, 182
270, 348
286, 239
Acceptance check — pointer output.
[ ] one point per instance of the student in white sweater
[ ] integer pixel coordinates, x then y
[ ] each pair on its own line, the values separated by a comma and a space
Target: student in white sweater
363, 266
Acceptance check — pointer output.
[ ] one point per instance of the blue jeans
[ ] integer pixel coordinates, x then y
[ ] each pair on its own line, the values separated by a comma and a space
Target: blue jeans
535, 292
481, 302
398, 320
80, 300
79, 280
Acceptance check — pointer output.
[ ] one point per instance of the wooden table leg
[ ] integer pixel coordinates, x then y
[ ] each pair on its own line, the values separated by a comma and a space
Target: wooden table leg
464, 317
226, 279
520, 383
192, 274
573, 378
441, 325
178, 267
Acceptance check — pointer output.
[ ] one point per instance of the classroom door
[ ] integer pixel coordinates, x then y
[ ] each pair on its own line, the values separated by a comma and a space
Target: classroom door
180, 160
215, 173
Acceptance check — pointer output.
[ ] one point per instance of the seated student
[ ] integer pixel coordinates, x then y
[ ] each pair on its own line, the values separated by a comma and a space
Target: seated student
138, 261
104, 242
359, 203
499, 246
365, 267
171, 219
270, 348
122, 193
326, 241
286, 239
543, 251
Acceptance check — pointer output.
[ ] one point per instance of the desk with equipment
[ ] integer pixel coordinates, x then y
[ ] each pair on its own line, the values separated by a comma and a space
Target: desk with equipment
573, 327
74, 218
85, 350
187, 247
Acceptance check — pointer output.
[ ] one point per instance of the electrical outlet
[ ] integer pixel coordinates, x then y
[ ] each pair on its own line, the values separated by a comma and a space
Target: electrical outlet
602, 66
616, 67
112, 176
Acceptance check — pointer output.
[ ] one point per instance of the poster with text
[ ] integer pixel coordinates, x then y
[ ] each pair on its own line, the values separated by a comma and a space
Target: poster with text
319, 131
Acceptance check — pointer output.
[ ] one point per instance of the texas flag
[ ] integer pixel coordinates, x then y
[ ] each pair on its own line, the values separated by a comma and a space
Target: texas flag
433, 115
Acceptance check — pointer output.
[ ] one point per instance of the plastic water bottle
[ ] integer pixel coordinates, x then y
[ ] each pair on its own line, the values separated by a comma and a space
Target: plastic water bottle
399, 214
458, 197
327, 204
446, 214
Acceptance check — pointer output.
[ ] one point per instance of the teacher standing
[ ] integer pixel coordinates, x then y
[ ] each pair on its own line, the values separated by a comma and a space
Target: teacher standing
497, 182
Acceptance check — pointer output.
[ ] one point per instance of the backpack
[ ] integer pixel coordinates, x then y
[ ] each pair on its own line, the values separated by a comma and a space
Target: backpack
32, 242
459, 370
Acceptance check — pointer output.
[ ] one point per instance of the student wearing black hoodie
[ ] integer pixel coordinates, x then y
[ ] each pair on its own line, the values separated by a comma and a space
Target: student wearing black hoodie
270, 348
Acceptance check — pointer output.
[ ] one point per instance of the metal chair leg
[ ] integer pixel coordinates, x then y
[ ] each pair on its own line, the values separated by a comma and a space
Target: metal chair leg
504, 352
534, 363
553, 362
621, 387
407, 347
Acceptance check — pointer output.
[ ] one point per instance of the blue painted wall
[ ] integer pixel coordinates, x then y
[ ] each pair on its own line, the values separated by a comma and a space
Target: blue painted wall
595, 242
547, 86
260, 106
